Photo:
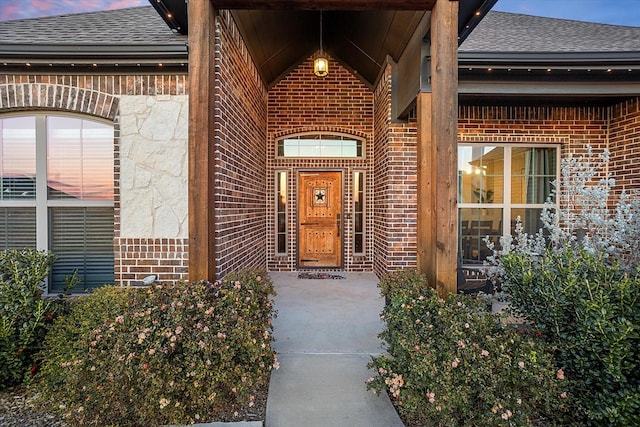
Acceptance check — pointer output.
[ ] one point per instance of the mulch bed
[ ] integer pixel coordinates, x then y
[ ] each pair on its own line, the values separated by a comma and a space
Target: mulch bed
17, 409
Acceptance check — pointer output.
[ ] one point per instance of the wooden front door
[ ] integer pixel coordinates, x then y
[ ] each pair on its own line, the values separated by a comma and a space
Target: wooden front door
320, 219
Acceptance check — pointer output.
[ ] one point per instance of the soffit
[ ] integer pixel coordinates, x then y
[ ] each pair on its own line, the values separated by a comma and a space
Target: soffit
360, 40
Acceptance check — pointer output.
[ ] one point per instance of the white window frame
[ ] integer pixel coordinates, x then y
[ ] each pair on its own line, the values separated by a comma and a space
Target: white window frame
327, 134
41, 203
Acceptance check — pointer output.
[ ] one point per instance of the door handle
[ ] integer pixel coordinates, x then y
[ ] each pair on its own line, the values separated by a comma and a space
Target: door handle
338, 225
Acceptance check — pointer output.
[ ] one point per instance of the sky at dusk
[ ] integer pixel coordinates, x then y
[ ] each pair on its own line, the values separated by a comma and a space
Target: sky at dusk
23, 9
617, 12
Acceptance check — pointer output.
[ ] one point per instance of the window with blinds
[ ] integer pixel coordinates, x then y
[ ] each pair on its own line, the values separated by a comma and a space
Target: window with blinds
56, 194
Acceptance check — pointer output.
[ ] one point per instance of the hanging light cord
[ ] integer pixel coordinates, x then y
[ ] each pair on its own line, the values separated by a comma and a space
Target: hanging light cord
321, 51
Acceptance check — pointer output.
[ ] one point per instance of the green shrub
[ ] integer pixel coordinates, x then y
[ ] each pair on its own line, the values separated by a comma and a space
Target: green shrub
588, 309
24, 314
167, 354
452, 363
401, 281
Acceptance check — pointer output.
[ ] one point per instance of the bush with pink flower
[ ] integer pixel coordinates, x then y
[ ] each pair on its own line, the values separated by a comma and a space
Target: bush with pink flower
460, 365
167, 354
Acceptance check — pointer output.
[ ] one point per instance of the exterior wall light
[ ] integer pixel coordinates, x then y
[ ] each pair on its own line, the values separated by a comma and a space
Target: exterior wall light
321, 65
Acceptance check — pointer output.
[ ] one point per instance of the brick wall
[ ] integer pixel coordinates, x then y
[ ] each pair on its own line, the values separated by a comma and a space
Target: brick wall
302, 102
240, 136
395, 210
624, 144
98, 96
571, 127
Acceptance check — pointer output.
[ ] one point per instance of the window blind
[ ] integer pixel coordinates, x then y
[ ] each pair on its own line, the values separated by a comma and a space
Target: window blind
17, 228
81, 238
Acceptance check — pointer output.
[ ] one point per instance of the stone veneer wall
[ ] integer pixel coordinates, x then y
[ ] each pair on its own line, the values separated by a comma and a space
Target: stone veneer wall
133, 103
624, 144
240, 137
395, 222
302, 102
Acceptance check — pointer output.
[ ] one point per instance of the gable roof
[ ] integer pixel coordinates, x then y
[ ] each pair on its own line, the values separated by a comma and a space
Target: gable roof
276, 39
516, 47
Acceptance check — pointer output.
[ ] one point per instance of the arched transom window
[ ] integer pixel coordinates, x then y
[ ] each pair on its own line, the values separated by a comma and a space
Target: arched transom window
320, 145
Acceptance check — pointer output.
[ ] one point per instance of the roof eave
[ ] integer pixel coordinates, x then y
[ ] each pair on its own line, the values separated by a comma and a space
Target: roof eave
53, 53
480, 58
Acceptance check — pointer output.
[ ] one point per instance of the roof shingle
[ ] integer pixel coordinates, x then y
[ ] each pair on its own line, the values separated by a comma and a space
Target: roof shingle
510, 32
138, 25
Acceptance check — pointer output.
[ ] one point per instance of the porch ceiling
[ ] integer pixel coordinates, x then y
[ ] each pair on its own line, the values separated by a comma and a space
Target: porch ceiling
280, 34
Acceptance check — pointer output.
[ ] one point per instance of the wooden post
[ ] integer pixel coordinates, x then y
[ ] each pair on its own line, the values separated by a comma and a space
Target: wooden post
438, 155
426, 238
202, 261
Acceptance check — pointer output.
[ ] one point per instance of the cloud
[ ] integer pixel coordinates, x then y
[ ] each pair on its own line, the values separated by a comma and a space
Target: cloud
39, 8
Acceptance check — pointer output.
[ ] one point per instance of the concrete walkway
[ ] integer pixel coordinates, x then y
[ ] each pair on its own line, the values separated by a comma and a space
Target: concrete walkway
326, 332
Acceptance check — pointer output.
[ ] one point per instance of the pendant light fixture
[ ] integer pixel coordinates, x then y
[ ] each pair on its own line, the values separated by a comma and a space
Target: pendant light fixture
321, 63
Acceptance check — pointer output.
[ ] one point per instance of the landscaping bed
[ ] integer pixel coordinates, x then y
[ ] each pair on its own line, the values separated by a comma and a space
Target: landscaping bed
166, 354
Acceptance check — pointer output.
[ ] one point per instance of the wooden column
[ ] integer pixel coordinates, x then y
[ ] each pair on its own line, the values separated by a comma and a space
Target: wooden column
202, 257
438, 155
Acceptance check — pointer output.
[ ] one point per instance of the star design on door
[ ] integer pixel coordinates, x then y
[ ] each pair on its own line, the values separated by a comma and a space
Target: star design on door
320, 196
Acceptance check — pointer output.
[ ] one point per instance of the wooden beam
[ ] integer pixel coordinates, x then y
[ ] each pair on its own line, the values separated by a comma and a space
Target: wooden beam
202, 257
323, 4
438, 223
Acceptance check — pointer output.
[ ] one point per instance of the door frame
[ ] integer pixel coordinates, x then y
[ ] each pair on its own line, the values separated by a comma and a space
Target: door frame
342, 219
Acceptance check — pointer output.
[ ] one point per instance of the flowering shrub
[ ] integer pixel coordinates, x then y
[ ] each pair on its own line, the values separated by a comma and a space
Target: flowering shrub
578, 281
24, 314
453, 363
590, 216
588, 309
167, 354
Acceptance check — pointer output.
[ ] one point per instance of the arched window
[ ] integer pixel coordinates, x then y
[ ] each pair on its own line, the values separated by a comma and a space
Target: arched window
320, 145
56, 193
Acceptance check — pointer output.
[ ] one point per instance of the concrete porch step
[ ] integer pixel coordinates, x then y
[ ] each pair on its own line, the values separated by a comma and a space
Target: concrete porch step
322, 390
